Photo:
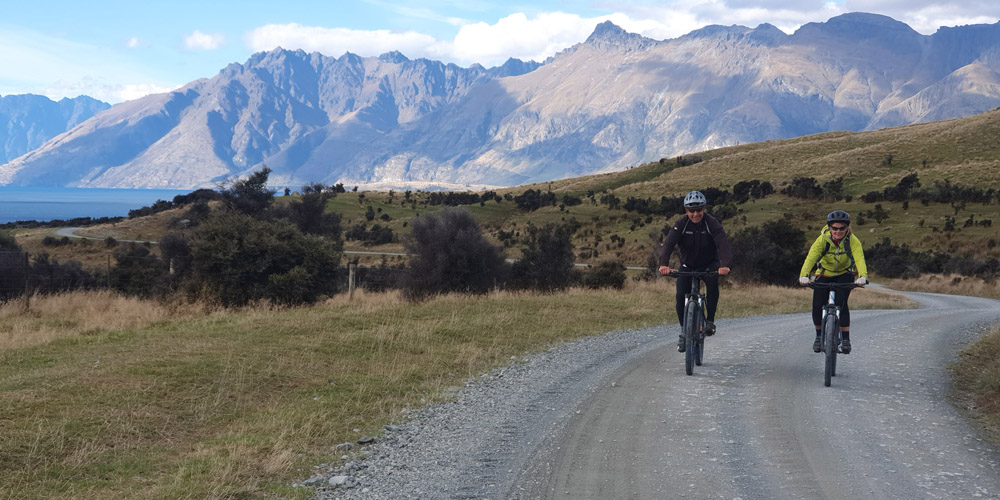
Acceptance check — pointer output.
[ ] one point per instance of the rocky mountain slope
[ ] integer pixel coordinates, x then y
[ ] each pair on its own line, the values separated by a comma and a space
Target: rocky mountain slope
27, 121
613, 101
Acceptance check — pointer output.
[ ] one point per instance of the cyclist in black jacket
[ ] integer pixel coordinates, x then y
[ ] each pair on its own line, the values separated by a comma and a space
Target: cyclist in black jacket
704, 246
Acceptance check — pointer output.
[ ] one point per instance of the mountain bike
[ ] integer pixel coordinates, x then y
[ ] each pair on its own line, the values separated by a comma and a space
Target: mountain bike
694, 318
830, 327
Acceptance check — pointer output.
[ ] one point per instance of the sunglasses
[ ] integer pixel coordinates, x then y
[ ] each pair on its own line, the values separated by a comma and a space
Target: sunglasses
838, 228
695, 210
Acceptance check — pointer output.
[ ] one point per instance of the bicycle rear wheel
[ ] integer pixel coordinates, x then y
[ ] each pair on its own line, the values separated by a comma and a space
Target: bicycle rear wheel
829, 336
690, 335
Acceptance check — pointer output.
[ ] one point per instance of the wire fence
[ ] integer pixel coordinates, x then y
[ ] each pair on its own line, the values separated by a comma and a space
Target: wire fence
23, 273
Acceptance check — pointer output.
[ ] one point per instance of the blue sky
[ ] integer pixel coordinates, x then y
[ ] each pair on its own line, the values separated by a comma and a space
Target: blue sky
116, 50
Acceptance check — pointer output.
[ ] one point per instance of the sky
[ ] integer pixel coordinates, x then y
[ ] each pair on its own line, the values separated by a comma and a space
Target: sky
118, 50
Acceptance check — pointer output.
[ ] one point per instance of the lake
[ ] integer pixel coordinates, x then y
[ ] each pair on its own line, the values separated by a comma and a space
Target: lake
46, 203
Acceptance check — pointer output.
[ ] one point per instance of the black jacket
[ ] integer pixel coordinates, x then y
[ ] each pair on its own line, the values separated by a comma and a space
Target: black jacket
702, 245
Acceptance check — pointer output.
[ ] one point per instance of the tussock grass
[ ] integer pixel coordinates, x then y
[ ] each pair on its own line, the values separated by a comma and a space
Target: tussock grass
977, 380
107, 397
72, 314
950, 284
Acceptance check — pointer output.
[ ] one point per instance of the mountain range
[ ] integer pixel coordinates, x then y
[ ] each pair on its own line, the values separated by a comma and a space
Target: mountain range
613, 101
27, 120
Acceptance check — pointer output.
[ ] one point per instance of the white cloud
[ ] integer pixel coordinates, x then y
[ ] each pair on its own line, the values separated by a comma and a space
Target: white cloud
519, 36
335, 41
129, 92
203, 41
135, 43
98, 88
55, 67
545, 34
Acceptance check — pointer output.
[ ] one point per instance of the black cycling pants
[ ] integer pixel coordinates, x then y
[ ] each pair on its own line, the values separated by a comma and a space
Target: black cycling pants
711, 294
840, 297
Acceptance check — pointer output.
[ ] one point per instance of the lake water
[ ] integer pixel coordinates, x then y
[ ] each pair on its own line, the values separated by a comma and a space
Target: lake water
45, 204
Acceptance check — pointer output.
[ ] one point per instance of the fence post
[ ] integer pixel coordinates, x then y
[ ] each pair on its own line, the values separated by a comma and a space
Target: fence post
109, 271
27, 288
350, 281
172, 266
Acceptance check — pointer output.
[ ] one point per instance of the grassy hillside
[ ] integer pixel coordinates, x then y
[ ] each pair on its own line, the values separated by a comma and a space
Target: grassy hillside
963, 151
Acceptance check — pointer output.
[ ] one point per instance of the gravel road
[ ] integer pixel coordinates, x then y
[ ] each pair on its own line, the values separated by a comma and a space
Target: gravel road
615, 417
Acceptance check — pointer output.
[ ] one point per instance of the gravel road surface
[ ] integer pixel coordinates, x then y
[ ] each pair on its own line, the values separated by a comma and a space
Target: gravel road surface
615, 417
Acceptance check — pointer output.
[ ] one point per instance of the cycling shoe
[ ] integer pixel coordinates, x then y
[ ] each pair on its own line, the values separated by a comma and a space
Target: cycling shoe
845, 346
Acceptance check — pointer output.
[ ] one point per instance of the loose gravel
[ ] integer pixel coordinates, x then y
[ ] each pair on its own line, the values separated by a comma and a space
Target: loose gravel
474, 446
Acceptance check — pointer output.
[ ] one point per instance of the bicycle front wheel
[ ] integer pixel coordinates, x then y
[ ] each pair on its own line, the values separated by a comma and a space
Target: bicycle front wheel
690, 336
830, 328
699, 344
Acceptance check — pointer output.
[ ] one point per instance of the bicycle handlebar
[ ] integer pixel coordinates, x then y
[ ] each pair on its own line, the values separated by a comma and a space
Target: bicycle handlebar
697, 274
828, 286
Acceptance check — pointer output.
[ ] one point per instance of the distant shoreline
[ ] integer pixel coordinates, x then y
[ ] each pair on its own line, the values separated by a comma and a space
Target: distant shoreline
43, 204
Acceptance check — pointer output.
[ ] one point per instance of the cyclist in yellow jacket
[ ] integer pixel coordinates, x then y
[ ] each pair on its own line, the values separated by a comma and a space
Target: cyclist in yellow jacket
840, 259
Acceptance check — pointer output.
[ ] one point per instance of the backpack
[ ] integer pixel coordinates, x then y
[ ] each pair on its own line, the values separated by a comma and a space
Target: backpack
847, 247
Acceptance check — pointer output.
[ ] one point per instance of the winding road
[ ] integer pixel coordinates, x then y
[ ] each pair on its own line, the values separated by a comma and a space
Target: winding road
756, 422
615, 417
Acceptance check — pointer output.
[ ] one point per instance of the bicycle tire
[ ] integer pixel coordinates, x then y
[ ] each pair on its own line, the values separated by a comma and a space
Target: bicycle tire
690, 335
700, 343
829, 347
836, 350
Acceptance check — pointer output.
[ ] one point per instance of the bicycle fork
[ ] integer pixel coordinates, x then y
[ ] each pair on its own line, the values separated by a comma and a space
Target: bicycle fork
701, 309
833, 310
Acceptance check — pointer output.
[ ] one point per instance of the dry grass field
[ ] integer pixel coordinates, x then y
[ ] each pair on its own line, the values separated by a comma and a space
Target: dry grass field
111, 397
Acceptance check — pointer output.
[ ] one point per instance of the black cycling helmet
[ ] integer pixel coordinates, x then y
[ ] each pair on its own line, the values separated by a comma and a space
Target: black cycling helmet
838, 216
695, 199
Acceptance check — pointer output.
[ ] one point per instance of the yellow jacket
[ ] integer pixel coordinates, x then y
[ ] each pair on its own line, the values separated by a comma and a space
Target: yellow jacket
833, 260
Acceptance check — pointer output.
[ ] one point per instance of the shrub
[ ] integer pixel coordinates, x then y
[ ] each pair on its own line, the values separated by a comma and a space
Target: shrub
309, 212
175, 249
251, 195
450, 254
137, 272
239, 259
899, 261
547, 260
13, 270
48, 275
607, 274
532, 200
770, 253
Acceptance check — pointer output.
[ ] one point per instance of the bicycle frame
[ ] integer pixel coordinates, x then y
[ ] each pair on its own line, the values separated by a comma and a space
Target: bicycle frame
830, 334
694, 307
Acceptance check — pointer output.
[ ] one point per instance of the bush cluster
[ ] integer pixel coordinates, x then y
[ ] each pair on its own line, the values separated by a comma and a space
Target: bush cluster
901, 261
908, 188
43, 274
771, 253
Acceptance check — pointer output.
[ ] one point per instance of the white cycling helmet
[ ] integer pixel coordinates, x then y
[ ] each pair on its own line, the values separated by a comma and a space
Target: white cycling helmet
695, 199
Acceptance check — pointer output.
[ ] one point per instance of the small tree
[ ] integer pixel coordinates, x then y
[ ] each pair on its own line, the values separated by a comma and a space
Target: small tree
771, 253
251, 195
450, 254
309, 212
547, 260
